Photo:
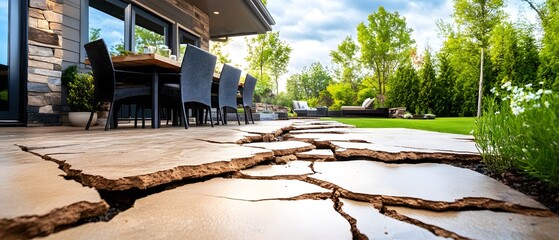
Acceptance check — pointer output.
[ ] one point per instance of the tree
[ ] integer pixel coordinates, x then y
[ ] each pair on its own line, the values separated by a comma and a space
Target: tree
94, 34
479, 17
347, 67
266, 53
405, 88
216, 48
549, 70
280, 56
428, 81
385, 42
443, 90
310, 83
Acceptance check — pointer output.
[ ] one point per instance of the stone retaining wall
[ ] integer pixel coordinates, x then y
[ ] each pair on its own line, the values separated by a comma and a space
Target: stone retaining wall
44, 62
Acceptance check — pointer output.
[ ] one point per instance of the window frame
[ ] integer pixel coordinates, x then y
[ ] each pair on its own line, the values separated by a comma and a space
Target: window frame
131, 10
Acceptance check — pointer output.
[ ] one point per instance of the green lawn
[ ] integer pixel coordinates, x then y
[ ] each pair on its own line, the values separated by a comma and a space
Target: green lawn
463, 125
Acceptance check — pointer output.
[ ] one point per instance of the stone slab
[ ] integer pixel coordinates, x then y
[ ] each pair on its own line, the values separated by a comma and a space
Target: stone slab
282, 148
487, 224
143, 158
216, 209
35, 199
378, 226
317, 154
394, 144
291, 168
431, 182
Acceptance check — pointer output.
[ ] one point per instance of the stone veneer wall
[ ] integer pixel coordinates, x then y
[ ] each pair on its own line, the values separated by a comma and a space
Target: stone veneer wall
44, 64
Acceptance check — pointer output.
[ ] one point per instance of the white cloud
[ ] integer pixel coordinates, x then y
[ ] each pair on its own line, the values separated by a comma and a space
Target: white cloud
313, 28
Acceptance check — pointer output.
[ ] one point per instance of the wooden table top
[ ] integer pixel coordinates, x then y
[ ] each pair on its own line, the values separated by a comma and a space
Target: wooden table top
152, 59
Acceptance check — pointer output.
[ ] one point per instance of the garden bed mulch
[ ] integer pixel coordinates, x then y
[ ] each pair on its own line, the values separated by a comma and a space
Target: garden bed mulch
534, 188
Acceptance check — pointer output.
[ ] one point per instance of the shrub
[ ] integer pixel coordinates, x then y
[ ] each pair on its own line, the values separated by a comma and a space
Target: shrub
520, 131
80, 93
69, 74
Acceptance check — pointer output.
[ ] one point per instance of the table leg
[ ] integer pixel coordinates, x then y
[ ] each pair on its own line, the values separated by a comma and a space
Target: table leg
155, 122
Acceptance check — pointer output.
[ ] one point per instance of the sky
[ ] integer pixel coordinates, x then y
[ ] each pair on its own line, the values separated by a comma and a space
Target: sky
313, 28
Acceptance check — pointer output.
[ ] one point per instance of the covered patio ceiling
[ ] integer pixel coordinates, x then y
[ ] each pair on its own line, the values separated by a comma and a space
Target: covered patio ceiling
235, 17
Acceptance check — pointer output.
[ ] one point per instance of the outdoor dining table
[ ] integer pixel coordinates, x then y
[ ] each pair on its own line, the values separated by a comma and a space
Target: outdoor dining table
154, 63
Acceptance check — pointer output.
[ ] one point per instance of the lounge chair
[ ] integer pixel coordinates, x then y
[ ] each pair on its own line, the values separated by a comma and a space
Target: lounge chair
364, 110
302, 109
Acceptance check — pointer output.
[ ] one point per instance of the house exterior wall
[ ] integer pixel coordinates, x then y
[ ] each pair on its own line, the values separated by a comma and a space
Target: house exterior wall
56, 42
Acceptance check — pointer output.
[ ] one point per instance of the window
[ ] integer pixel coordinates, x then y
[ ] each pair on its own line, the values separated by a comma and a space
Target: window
106, 20
126, 27
187, 38
149, 31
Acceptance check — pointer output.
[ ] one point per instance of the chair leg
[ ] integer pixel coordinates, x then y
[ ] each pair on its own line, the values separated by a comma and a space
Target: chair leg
143, 113
135, 116
224, 119
250, 112
184, 116
246, 115
109, 117
237, 113
209, 109
90, 119
218, 117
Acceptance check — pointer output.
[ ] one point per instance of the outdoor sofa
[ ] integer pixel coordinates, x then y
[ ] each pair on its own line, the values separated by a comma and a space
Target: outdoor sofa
364, 110
303, 110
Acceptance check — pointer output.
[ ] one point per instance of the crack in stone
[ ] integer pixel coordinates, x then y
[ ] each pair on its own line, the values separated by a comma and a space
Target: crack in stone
26, 227
415, 157
160, 177
441, 232
306, 196
380, 201
352, 221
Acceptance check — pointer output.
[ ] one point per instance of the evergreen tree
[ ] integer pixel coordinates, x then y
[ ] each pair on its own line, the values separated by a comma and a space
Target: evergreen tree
428, 80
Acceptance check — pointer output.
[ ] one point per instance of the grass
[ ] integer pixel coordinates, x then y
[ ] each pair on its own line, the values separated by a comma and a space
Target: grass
462, 125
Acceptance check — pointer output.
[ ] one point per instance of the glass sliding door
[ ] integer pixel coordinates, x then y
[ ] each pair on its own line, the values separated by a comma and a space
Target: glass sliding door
10, 62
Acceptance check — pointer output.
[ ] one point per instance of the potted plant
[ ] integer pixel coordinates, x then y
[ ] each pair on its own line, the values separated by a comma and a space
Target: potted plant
80, 99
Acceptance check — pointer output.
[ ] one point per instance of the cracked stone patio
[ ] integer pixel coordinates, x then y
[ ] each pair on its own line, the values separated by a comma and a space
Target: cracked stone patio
271, 180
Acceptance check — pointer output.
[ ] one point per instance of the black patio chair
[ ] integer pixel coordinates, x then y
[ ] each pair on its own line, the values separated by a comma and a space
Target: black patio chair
192, 87
245, 99
114, 86
224, 96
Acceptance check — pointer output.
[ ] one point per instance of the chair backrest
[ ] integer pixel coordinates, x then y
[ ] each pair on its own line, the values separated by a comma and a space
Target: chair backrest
228, 86
196, 75
103, 70
248, 90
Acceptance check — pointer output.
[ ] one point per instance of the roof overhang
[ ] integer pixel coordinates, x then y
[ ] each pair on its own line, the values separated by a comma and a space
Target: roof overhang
236, 17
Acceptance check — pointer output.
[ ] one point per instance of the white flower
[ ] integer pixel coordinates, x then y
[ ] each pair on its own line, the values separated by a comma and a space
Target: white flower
524, 150
492, 90
537, 105
539, 92
497, 113
547, 91
529, 85
546, 104
472, 132
541, 83
506, 85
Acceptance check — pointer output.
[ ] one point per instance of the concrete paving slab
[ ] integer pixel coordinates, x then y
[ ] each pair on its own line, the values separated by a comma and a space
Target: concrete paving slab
395, 144
144, 163
35, 199
431, 182
291, 168
378, 226
282, 148
216, 209
317, 154
487, 224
